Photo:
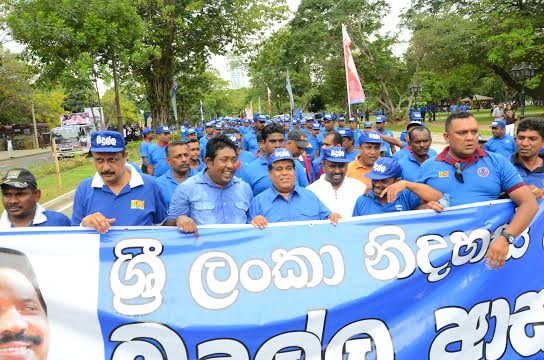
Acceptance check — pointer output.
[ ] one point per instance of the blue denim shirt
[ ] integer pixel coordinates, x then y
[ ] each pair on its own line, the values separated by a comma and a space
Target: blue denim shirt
206, 203
168, 184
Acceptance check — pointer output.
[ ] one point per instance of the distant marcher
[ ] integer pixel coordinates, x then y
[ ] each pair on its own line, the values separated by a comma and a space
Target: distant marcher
157, 164
500, 143
510, 119
144, 147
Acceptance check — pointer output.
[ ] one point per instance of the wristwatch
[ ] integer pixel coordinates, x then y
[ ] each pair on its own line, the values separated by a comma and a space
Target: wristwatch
509, 237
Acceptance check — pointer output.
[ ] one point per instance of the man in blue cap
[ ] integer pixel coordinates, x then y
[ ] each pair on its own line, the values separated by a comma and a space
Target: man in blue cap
354, 127
117, 195
369, 152
192, 134
341, 123
419, 147
285, 201
405, 148
367, 126
328, 123
500, 143
157, 164
333, 188
389, 193
251, 142
348, 143
210, 131
144, 147
178, 157
380, 128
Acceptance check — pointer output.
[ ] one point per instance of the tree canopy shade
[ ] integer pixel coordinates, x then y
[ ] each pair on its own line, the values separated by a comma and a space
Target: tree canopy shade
154, 41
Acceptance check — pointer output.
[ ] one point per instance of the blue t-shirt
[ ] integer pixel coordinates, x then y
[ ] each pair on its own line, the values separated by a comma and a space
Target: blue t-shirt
368, 204
313, 141
246, 157
168, 184
352, 155
256, 175
410, 167
144, 147
203, 142
157, 158
42, 217
206, 203
201, 166
408, 150
385, 144
139, 203
535, 177
251, 143
506, 146
302, 205
486, 176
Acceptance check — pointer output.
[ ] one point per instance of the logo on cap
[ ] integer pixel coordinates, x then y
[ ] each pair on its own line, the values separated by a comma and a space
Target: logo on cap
337, 153
282, 153
106, 141
374, 136
379, 168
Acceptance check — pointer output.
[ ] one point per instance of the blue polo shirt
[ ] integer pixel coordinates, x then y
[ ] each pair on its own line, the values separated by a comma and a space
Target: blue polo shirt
506, 146
157, 158
144, 147
410, 167
246, 157
250, 138
139, 203
313, 141
42, 217
168, 184
486, 176
201, 166
203, 142
368, 204
385, 143
535, 177
352, 155
408, 150
256, 175
206, 203
302, 205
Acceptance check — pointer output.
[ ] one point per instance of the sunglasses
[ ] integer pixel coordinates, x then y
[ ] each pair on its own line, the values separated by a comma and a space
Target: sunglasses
459, 172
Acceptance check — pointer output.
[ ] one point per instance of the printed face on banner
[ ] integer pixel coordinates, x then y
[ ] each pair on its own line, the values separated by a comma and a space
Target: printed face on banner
24, 329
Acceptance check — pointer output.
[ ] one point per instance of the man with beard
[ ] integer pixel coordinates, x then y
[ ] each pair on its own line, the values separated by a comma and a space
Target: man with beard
214, 196
179, 159
24, 328
117, 195
369, 152
419, 141
333, 188
390, 194
528, 160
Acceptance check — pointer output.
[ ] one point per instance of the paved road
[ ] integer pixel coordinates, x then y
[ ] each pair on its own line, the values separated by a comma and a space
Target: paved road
31, 161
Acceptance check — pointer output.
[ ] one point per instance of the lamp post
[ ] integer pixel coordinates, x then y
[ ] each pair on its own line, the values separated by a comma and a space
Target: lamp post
522, 73
416, 89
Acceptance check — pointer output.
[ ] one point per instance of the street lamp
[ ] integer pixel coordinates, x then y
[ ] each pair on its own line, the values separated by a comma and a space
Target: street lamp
522, 73
416, 89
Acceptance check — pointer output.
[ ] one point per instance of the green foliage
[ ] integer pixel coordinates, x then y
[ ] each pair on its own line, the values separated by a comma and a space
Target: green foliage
48, 107
129, 111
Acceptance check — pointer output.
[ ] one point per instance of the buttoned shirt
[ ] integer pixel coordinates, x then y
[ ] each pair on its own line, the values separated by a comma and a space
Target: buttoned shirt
302, 205
168, 184
358, 171
206, 203
42, 217
341, 201
369, 204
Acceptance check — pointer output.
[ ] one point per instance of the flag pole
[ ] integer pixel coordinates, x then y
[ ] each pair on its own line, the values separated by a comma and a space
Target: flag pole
346, 70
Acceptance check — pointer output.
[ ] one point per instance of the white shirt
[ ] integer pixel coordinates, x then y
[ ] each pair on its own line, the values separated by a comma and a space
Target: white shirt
342, 200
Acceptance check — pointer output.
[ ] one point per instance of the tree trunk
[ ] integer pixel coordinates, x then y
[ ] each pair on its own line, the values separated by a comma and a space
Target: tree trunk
158, 95
537, 92
117, 100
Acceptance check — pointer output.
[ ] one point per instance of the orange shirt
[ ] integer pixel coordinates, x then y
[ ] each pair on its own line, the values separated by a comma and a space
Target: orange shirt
358, 171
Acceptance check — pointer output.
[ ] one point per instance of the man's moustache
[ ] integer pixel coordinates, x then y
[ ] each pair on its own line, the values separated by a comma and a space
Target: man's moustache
107, 173
20, 337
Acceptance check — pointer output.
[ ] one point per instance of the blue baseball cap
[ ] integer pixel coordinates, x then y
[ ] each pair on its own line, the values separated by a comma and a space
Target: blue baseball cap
370, 137
303, 121
498, 123
218, 127
191, 131
329, 117
259, 117
162, 130
341, 118
385, 168
146, 131
352, 119
209, 124
107, 141
367, 125
233, 138
413, 123
309, 118
336, 154
346, 132
316, 126
380, 119
416, 115
280, 154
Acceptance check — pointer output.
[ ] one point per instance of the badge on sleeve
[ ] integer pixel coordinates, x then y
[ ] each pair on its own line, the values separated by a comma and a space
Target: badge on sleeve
443, 174
137, 204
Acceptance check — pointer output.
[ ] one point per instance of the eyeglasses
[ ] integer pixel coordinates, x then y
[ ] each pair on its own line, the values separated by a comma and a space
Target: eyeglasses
458, 172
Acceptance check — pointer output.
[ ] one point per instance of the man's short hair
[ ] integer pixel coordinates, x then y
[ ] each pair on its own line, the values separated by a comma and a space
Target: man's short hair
418, 129
190, 141
455, 116
532, 123
272, 128
171, 144
232, 131
337, 138
16, 260
217, 143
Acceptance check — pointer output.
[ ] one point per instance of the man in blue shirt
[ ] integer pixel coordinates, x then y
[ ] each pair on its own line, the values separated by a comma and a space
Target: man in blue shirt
117, 195
466, 174
157, 164
528, 160
252, 142
144, 147
419, 143
256, 173
210, 131
380, 128
328, 123
354, 127
192, 134
197, 164
285, 201
500, 143
244, 157
341, 123
331, 139
348, 144
179, 159
20, 197
390, 193
214, 196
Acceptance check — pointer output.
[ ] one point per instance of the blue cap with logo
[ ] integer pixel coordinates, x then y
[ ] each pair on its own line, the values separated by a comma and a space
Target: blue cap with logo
341, 118
162, 129
346, 132
107, 141
352, 119
370, 137
498, 123
385, 168
209, 124
329, 117
233, 138
416, 116
380, 119
259, 117
280, 154
303, 121
191, 131
316, 126
336, 154
367, 125
218, 127
146, 131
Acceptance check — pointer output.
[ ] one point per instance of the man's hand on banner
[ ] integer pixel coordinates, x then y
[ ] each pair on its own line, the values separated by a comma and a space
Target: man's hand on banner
259, 221
187, 225
334, 217
433, 205
497, 252
98, 222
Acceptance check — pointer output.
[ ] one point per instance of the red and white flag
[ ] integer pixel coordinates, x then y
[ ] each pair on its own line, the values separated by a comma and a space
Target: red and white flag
269, 101
356, 94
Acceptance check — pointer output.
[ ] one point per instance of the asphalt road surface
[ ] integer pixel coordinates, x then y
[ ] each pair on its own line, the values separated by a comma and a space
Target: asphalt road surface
31, 161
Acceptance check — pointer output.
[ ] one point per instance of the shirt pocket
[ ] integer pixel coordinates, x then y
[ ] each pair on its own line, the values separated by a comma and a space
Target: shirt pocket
204, 212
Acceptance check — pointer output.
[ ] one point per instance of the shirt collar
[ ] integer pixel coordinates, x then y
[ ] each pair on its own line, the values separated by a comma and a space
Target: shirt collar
296, 190
516, 162
203, 178
135, 178
359, 164
446, 157
39, 217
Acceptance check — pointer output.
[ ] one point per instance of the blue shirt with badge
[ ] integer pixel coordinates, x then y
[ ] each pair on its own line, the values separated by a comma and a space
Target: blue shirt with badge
506, 146
157, 158
368, 204
535, 177
139, 203
168, 184
485, 177
206, 203
410, 167
302, 205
